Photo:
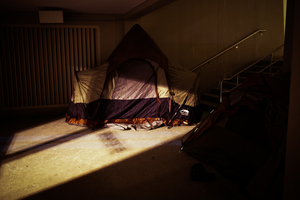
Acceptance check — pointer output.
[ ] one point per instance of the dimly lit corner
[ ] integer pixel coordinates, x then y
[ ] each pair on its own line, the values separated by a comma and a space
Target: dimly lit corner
57, 57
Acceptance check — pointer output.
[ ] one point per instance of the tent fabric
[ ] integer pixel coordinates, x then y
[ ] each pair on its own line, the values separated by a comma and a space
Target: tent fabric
136, 80
183, 84
89, 84
135, 89
244, 137
161, 81
137, 44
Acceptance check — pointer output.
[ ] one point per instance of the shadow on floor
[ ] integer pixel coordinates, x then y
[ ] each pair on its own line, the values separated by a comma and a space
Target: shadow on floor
43, 146
10, 126
160, 173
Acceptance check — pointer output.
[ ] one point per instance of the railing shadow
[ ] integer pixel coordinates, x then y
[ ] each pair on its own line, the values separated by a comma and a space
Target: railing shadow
43, 146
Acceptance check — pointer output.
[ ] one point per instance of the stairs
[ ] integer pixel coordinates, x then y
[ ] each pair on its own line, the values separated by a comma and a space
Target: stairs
211, 99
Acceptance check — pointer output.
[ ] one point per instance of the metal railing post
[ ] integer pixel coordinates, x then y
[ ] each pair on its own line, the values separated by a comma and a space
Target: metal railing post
221, 92
271, 60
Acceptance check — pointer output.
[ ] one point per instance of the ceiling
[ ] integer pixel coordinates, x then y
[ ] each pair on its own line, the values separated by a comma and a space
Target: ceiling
80, 6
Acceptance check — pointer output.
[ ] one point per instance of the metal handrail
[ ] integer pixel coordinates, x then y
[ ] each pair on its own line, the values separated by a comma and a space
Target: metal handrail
237, 74
224, 51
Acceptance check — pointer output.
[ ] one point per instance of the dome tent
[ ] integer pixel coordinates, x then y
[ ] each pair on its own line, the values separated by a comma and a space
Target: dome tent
136, 88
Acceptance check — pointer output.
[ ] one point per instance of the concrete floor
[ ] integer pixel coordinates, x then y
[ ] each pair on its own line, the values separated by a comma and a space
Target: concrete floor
46, 158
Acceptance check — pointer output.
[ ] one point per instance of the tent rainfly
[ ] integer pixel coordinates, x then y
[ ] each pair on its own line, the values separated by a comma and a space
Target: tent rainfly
137, 88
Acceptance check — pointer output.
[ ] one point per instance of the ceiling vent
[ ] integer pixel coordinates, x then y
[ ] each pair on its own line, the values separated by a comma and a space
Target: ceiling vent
54, 17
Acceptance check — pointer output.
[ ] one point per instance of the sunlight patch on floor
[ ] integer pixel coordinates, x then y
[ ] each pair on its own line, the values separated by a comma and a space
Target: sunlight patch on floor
54, 153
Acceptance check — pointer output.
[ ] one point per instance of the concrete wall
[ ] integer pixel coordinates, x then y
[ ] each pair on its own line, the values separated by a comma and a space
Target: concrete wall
292, 52
191, 31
